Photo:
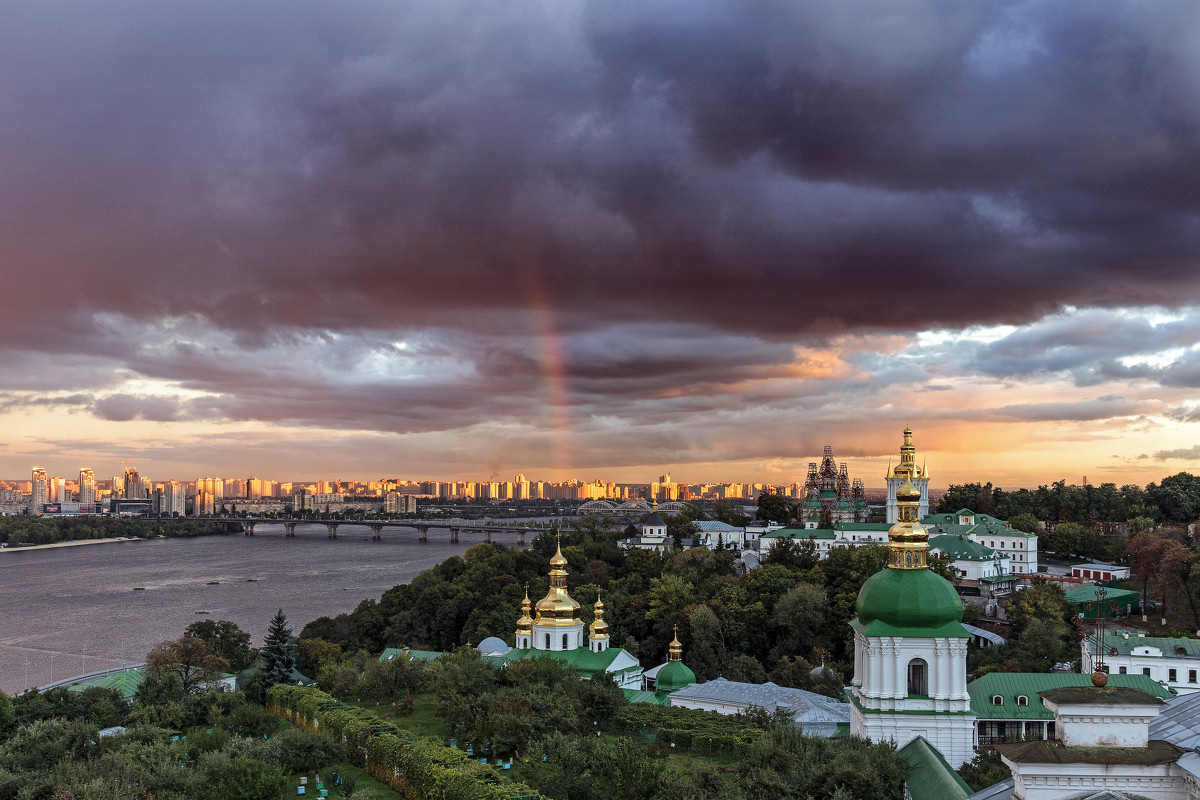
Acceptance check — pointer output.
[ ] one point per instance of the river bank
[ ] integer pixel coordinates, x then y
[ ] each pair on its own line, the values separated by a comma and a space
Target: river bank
74, 543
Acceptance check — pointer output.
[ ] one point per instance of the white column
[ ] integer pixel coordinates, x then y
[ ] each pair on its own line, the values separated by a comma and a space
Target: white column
874, 683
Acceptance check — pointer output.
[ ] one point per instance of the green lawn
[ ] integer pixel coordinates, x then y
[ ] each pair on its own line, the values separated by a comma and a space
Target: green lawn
422, 721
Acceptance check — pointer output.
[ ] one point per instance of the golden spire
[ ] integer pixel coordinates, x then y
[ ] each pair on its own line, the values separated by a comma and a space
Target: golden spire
558, 560
888, 474
598, 628
525, 623
908, 540
925, 468
675, 651
907, 468
557, 608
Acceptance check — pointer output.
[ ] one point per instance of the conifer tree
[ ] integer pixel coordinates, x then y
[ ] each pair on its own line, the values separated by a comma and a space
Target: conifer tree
278, 654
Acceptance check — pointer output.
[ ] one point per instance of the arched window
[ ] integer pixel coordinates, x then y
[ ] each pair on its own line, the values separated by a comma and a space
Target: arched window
918, 676
1022, 700
997, 700
564, 641
547, 641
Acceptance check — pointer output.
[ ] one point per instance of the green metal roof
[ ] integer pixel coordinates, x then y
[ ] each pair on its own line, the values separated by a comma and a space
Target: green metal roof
1169, 646
413, 655
800, 533
653, 698
909, 602
1011, 685
674, 675
582, 659
929, 774
1087, 594
125, 683
877, 527
961, 548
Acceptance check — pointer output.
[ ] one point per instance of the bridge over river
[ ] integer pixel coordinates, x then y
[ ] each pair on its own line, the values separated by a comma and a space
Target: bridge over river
486, 530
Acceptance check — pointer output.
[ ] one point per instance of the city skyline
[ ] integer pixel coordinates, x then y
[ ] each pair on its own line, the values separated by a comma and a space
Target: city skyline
579, 239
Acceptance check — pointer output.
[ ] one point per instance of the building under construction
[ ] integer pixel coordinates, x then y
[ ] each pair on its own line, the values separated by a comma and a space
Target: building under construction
830, 494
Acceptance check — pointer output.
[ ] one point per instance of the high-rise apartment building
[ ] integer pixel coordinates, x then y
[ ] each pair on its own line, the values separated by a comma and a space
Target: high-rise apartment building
58, 491
174, 498
39, 493
87, 487
133, 488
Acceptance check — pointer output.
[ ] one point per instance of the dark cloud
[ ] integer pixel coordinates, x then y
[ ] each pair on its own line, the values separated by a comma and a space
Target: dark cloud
762, 167
648, 219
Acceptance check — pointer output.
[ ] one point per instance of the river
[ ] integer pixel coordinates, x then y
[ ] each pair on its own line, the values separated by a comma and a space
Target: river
80, 603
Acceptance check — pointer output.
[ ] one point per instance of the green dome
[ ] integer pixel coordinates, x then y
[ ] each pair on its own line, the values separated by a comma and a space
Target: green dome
673, 675
909, 602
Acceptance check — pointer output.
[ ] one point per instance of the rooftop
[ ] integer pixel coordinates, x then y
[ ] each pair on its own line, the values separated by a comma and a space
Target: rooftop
929, 774
1100, 695
1172, 646
1046, 752
806, 706
960, 548
1009, 686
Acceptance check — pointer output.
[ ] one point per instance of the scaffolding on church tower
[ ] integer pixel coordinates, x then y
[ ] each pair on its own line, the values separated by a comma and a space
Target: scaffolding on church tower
843, 482
858, 499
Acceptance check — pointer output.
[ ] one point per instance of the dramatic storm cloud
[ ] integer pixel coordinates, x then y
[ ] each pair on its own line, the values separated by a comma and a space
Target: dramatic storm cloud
448, 239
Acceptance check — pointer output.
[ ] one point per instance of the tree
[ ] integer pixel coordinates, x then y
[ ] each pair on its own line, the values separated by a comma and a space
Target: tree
985, 770
225, 639
1040, 601
278, 654
730, 513
1025, 522
190, 660
774, 507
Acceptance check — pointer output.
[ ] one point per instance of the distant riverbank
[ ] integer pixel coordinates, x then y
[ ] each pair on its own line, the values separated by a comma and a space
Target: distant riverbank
75, 543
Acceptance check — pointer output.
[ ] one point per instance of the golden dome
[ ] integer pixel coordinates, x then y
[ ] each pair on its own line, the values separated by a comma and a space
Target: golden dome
675, 650
908, 539
598, 628
525, 623
557, 608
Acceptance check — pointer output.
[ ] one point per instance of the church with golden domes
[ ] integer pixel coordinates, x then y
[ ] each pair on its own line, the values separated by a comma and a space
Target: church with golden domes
556, 630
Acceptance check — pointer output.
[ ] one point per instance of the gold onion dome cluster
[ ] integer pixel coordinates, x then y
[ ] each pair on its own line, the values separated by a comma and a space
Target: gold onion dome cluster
557, 607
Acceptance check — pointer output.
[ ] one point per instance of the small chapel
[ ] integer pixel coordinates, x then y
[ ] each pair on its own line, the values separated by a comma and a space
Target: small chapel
556, 630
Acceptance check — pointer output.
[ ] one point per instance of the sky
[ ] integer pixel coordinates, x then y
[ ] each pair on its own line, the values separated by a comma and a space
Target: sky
600, 239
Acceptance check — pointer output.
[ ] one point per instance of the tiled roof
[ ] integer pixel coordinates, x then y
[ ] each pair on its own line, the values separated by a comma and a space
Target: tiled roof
1011, 685
929, 774
806, 706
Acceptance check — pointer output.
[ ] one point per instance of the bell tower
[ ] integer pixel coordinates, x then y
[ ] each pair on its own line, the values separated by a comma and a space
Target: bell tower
907, 470
910, 648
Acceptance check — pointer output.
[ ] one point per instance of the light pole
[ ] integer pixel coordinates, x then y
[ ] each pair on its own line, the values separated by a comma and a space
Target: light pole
27, 674
83, 665
52, 655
